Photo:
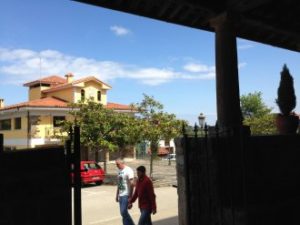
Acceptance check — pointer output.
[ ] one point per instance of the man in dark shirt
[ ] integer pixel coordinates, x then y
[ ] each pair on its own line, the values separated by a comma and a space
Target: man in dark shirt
144, 191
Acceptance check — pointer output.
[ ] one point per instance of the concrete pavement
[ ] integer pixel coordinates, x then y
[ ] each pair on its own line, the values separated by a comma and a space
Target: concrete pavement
100, 208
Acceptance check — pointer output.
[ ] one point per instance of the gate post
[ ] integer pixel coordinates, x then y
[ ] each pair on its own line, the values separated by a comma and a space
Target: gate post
183, 186
77, 187
1, 144
69, 178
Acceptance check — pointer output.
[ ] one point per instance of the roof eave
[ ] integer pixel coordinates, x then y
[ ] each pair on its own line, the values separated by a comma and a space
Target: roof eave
34, 108
259, 20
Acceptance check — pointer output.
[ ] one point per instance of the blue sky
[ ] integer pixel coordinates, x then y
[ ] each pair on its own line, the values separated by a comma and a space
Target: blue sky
135, 55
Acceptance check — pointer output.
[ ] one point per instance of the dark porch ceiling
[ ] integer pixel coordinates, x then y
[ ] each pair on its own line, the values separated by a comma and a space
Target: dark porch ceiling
273, 22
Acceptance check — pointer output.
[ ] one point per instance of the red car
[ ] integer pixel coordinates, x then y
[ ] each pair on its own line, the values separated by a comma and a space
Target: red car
91, 172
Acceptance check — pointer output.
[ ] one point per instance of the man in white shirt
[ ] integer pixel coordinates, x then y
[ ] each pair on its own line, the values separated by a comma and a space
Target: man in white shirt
124, 189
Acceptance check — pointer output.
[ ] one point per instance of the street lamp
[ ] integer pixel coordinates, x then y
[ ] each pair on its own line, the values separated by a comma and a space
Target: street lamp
201, 119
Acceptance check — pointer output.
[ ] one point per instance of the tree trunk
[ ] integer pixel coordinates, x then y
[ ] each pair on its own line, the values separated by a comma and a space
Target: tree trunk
151, 165
153, 148
134, 152
96, 155
106, 158
169, 150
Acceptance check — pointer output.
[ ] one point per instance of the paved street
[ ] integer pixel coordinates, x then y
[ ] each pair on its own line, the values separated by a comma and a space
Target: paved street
99, 206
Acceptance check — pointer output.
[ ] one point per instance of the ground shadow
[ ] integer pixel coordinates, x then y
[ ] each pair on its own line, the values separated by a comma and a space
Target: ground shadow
167, 221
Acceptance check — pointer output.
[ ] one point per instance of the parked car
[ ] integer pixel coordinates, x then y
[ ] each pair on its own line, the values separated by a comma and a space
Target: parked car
91, 172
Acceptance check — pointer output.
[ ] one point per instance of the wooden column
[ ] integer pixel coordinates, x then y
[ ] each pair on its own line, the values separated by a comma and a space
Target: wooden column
231, 167
227, 81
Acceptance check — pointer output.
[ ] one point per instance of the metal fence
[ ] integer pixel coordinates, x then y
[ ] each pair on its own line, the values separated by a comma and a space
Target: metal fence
36, 185
230, 177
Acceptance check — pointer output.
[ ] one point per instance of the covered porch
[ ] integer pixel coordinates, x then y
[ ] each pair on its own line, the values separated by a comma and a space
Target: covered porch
229, 176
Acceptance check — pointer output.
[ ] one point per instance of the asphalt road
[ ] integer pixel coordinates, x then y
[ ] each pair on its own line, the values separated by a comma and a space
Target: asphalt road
100, 208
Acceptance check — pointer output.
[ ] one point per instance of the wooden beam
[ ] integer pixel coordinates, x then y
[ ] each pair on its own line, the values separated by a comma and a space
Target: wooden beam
263, 25
135, 4
253, 16
177, 9
246, 5
164, 9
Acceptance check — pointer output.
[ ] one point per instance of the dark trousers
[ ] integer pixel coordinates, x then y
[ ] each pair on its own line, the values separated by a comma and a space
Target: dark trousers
145, 218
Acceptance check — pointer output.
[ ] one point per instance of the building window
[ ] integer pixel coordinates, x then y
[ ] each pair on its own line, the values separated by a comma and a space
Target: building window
18, 123
99, 96
57, 120
5, 124
82, 95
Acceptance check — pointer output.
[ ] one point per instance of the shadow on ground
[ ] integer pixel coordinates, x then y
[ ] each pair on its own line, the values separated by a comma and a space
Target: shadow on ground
168, 221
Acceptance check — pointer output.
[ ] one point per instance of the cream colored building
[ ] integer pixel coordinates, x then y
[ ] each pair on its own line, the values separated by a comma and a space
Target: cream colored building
36, 122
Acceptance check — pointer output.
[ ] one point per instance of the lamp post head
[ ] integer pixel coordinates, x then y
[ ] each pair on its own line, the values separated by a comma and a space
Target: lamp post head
201, 119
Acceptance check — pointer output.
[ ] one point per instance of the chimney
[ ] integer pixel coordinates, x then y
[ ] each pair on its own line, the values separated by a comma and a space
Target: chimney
69, 77
1, 103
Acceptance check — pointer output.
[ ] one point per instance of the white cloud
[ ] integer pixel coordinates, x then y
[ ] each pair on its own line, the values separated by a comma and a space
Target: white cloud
120, 31
206, 76
15, 54
154, 76
199, 71
51, 54
197, 68
18, 66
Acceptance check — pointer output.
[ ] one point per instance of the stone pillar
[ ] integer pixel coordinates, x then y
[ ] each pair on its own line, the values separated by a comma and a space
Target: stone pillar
227, 82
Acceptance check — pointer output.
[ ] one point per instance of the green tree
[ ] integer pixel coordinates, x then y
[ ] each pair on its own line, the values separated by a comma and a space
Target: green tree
253, 106
102, 128
262, 125
257, 114
128, 130
157, 124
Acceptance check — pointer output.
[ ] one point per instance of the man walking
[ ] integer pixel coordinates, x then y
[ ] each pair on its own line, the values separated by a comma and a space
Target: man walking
144, 191
124, 190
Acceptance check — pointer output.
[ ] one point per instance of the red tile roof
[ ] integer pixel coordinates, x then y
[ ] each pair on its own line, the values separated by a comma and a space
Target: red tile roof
44, 102
52, 80
52, 102
68, 85
117, 106
58, 83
